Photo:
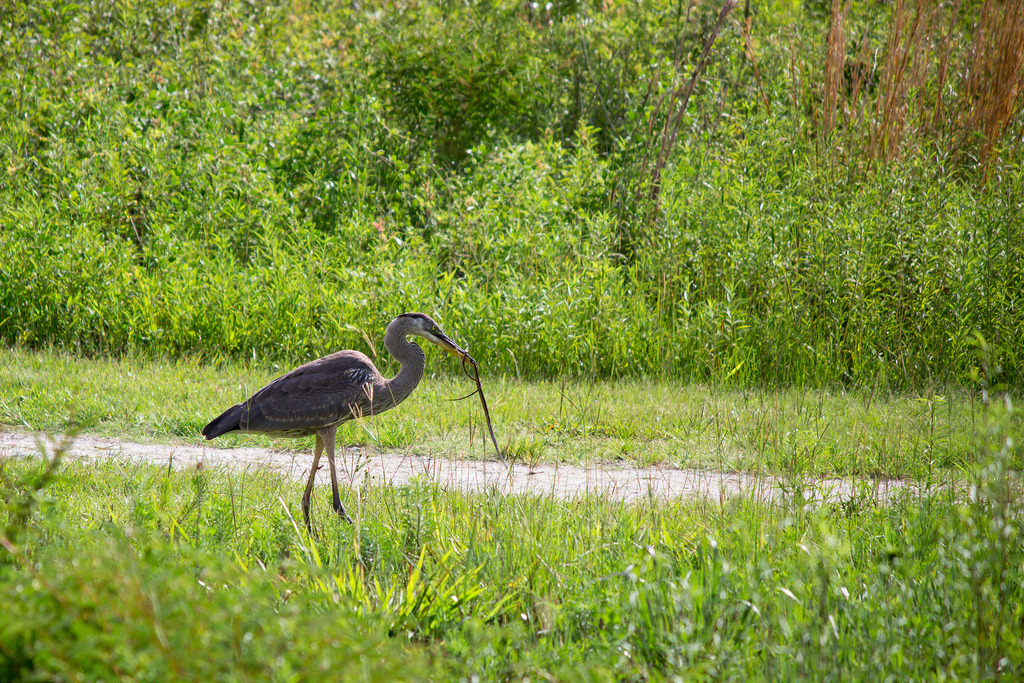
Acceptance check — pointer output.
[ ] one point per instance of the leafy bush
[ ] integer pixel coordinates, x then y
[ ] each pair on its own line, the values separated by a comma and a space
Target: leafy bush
254, 180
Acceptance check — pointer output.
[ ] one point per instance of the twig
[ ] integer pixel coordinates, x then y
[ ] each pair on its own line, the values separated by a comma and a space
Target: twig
679, 98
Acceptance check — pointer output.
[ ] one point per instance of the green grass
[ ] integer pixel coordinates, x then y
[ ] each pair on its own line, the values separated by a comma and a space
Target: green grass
639, 422
125, 571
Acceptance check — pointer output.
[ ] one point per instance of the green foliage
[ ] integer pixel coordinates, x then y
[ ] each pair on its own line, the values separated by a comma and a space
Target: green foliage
253, 180
137, 607
125, 571
456, 75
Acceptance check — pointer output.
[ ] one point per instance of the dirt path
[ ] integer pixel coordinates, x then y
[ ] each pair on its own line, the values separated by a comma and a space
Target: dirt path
562, 481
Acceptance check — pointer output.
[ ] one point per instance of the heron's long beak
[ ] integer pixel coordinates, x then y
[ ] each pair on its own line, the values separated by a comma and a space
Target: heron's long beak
442, 340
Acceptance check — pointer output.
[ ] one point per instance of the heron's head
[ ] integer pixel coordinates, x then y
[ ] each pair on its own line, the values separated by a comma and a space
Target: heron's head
424, 326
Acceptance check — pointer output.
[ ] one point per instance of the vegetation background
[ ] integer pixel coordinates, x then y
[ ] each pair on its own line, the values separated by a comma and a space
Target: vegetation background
826, 194
816, 206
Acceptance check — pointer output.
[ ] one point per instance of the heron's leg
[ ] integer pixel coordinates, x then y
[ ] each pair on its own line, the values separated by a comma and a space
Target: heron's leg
328, 437
312, 477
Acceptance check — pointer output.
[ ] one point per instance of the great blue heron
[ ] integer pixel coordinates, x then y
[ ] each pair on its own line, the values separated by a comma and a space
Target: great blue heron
318, 396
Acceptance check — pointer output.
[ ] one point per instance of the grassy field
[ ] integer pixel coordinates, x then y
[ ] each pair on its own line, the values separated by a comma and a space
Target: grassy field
815, 432
136, 573
128, 571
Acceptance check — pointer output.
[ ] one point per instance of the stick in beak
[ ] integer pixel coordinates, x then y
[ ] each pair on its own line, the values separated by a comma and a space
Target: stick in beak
483, 401
451, 347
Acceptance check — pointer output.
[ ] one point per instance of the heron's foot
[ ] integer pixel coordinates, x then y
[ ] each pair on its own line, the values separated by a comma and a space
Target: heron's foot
340, 509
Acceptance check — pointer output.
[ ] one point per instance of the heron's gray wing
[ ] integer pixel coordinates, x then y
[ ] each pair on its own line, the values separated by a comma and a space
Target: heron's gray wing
313, 396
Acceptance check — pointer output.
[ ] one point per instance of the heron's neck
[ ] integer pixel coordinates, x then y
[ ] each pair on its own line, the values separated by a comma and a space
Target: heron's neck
412, 360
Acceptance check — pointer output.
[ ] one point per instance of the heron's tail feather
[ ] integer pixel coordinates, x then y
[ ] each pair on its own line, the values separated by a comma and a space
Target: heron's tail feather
228, 421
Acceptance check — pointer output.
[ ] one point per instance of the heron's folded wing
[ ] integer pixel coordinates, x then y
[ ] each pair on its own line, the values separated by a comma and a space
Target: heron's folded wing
312, 396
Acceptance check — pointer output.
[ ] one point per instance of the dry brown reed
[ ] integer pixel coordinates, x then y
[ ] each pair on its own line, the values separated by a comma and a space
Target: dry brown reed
993, 92
835, 61
948, 77
902, 74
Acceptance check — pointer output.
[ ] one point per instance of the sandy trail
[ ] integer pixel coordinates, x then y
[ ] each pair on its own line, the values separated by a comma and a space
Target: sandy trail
625, 483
